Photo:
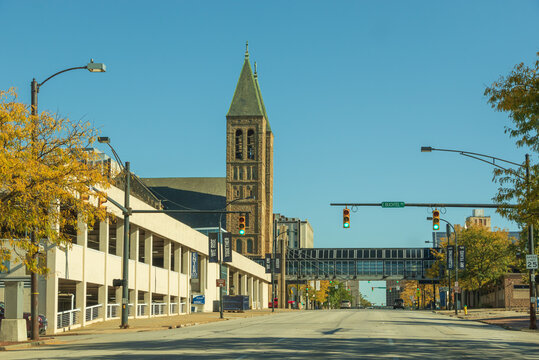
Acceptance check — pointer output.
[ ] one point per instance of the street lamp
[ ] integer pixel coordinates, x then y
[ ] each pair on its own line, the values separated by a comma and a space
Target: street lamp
34, 90
273, 268
221, 252
526, 166
126, 213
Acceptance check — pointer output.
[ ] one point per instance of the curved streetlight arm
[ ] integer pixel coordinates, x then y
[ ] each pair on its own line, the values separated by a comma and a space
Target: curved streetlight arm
479, 157
58, 73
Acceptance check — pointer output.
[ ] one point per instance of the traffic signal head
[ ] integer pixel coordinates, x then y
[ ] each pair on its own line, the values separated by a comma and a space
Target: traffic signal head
346, 218
435, 219
242, 225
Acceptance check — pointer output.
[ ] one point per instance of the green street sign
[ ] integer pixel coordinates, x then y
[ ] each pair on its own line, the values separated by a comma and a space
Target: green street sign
393, 204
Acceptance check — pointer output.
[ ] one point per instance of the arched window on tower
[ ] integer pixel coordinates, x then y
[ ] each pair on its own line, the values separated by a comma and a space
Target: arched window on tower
238, 246
239, 144
249, 246
251, 144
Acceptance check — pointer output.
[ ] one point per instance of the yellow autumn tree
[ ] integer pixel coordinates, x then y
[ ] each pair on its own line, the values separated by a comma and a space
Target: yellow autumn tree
46, 174
489, 255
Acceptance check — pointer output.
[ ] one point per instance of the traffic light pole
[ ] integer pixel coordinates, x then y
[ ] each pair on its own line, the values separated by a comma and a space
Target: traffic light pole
455, 265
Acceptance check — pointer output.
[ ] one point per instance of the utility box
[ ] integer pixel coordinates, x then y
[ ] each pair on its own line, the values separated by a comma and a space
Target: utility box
236, 302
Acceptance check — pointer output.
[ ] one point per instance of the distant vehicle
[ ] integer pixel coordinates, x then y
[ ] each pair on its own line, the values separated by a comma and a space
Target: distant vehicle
43, 323
275, 303
398, 304
346, 304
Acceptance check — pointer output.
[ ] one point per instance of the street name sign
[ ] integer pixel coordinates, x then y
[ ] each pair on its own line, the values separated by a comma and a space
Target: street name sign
531, 262
393, 204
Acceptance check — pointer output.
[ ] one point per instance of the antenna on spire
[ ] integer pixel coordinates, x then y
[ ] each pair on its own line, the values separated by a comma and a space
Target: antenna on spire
247, 49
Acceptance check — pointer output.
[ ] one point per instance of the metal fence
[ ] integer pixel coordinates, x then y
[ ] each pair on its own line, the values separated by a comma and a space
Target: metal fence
141, 309
93, 312
113, 311
68, 318
158, 308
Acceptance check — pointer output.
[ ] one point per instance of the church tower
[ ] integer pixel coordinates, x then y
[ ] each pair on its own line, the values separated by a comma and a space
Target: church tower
249, 166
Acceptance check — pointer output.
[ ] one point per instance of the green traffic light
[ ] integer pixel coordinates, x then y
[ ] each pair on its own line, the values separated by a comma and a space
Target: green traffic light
242, 232
346, 225
436, 227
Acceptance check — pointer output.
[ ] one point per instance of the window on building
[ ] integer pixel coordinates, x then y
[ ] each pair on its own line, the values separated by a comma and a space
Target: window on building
251, 144
241, 173
238, 246
253, 170
235, 173
250, 246
239, 144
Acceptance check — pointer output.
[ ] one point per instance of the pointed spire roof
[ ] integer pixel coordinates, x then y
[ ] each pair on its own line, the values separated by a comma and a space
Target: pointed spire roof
247, 100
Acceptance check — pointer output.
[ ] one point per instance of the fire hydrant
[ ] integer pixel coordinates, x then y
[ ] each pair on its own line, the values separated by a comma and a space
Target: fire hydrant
465, 309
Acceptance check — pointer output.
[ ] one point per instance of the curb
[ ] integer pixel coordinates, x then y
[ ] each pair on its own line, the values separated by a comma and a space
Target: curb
26, 344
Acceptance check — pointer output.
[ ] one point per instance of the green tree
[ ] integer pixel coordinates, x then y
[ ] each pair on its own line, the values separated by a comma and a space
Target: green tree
517, 94
337, 292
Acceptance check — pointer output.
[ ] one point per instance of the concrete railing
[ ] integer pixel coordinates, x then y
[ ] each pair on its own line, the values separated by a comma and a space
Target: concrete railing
68, 318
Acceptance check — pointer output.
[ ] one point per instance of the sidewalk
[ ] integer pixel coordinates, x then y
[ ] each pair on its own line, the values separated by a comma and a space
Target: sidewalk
165, 322
145, 324
508, 319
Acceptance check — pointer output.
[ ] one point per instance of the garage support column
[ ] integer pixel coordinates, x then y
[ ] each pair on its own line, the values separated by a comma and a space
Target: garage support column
119, 252
166, 262
148, 259
80, 293
133, 256
103, 293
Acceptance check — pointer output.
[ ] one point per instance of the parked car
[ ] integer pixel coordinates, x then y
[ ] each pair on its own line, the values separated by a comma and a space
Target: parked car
398, 304
275, 303
346, 304
43, 323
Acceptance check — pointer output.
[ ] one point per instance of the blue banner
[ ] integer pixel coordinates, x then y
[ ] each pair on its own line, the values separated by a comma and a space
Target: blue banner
199, 299
194, 265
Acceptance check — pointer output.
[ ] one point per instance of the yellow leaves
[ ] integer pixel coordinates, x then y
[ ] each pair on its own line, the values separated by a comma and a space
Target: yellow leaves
43, 164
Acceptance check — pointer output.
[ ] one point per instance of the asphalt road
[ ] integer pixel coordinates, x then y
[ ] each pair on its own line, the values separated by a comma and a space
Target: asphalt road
335, 334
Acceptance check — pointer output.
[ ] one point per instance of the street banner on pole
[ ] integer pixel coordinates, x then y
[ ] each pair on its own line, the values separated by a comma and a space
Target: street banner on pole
267, 263
277, 263
461, 257
317, 285
450, 257
194, 265
227, 245
212, 239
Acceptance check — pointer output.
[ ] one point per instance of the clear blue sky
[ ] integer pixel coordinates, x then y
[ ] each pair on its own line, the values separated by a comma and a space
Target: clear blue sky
352, 90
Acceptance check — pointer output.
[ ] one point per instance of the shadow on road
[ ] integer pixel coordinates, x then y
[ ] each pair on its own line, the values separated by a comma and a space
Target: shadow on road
324, 347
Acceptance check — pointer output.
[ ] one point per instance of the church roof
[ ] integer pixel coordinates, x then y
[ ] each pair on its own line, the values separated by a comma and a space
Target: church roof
247, 100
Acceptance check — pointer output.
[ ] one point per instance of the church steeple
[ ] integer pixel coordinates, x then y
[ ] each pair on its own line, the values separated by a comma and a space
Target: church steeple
247, 100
